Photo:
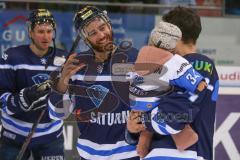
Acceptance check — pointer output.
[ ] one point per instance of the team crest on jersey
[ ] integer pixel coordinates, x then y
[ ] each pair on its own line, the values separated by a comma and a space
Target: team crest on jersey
97, 94
39, 78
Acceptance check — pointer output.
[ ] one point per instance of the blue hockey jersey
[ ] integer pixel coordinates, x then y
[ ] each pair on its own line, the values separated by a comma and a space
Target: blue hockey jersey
21, 68
182, 107
103, 136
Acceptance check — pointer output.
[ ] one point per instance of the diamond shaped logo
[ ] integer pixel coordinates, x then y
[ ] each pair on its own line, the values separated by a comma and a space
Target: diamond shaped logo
97, 94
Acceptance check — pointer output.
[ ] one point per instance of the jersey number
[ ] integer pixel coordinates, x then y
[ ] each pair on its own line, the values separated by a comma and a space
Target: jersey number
191, 78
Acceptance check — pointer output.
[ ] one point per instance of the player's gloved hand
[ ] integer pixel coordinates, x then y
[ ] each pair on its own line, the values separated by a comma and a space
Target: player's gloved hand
34, 97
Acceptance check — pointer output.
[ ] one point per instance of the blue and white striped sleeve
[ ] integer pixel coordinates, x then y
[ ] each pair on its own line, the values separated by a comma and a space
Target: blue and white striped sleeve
60, 106
8, 94
159, 125
174, 111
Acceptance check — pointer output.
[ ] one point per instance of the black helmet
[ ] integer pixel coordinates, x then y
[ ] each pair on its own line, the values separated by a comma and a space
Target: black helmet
88, 13
40, 16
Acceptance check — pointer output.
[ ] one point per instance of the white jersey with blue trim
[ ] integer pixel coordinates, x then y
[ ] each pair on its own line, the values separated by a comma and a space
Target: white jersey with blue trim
180, 73
176, 72
21, 68
103, 136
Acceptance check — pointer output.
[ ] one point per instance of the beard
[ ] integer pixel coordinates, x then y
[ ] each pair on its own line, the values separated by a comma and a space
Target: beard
103, 47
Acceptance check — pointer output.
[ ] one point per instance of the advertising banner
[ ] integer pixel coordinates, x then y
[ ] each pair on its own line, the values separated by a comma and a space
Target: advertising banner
226, 138
229, 76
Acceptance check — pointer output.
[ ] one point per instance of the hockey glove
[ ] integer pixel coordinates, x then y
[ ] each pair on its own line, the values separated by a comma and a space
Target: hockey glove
34, 97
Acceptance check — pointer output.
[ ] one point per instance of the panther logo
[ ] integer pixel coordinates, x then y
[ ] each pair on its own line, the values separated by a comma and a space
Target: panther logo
40, 78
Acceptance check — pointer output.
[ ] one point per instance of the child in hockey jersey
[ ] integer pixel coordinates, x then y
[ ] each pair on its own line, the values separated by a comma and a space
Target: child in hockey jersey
156, 59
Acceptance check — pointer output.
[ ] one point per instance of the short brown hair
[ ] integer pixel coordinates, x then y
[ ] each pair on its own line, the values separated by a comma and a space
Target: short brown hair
188, 22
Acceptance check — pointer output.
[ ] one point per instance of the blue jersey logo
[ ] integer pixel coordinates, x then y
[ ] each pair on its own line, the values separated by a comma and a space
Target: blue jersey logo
40, 78
97, 94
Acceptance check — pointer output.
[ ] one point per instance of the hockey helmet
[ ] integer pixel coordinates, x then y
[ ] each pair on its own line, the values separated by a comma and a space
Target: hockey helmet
40, 16
87, 14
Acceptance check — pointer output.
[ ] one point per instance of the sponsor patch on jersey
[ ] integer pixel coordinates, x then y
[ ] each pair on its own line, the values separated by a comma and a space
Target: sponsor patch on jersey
182, 67
58, 61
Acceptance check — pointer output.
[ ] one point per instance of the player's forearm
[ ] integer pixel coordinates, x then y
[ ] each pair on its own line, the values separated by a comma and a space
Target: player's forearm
186, 138
62, 85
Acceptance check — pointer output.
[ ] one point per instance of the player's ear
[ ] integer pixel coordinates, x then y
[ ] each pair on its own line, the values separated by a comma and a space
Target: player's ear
30, 32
